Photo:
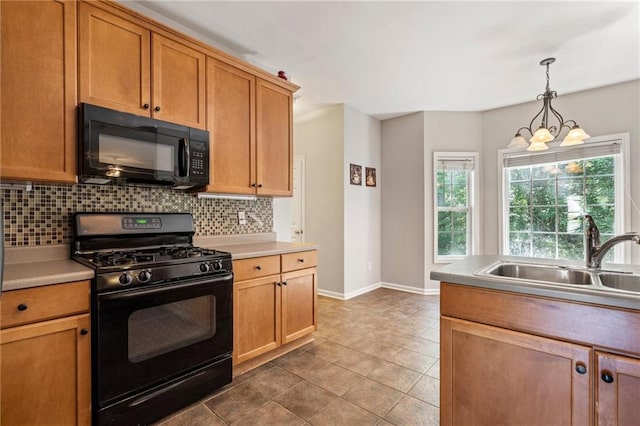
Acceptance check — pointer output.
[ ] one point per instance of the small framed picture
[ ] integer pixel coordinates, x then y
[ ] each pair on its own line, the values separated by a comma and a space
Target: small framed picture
355, 174
370, 176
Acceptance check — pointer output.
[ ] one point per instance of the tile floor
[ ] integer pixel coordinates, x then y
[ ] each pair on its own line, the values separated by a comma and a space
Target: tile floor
374, 361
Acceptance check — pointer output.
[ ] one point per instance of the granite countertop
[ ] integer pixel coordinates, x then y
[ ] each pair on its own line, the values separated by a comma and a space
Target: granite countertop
467, 272
41, 265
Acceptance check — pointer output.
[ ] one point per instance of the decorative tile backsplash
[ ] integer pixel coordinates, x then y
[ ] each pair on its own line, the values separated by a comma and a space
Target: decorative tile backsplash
42, 216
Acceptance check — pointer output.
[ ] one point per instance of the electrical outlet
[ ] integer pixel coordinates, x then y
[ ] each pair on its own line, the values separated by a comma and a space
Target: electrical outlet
242, 219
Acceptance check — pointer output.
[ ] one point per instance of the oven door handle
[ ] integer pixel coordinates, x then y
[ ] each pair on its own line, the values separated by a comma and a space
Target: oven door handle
164, 288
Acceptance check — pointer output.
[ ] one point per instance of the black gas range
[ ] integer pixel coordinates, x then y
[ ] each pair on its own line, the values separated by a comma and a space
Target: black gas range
162, 314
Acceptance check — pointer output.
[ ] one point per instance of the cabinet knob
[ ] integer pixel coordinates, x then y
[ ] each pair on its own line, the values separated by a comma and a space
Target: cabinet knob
259, 268
259, 185
279, 284
284, 283
301, 260
157, 109
22, 307
607, 377
253, 185
146, 106
84, 331
581, 368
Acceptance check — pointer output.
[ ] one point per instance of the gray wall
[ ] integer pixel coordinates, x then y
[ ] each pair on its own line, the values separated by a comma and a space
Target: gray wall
361, 204
402, 201
448, 131
602, 111
321, 139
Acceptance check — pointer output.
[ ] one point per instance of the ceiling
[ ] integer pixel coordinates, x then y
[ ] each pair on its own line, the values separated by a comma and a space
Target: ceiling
388, 58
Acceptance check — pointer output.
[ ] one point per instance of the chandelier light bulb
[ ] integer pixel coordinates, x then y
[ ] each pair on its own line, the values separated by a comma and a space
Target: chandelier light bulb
541, 135
518, 142
537, 146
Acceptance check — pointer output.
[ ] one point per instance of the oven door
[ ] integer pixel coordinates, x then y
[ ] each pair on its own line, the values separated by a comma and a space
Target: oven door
150, 335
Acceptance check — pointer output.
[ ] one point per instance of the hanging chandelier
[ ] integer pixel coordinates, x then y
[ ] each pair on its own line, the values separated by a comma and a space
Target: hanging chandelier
547, 132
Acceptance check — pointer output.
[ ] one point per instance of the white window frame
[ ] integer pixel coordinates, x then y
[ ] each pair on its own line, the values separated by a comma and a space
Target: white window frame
622, 252
473, 221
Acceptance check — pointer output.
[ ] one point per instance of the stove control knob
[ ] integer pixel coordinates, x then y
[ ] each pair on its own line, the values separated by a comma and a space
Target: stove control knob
217, 265
125, 278
204, 267
144, 276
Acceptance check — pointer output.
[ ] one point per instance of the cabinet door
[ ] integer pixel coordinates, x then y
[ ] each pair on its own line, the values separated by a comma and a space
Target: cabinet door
114, 62
274, 139
299, 304
38, 87
617, 390
45, 370
178, 83
495, 376
231, 122
256, 317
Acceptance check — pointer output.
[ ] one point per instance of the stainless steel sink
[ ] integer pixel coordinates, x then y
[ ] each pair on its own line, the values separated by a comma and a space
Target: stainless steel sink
546, 273
627, 282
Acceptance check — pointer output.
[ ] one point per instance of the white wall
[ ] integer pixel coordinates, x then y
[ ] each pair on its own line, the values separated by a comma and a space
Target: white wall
282, 218
446, 131
602, 111
320, 139
361, 204
402, 202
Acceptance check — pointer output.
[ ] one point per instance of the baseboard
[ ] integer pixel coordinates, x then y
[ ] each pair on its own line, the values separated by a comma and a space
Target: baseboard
392, 286
408, 289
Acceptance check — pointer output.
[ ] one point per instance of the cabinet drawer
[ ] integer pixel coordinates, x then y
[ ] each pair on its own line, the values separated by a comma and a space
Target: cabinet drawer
43, 303
246, 269
299, 260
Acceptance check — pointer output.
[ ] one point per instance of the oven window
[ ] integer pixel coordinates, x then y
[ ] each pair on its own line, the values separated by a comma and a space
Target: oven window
120, 151
165, 328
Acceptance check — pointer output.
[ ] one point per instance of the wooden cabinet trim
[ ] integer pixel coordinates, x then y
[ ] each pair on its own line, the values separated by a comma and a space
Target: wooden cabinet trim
604, 327
44, 303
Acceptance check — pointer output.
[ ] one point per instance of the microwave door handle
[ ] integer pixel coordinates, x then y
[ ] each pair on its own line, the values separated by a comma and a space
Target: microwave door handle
183, 157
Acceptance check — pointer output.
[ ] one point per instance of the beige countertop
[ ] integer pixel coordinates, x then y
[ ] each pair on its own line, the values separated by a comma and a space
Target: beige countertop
469, 272
42, 265
34, 266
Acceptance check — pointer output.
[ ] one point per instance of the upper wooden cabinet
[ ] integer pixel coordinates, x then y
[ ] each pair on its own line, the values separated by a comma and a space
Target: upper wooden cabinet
250, 121
38, 90
274, 139
127, 67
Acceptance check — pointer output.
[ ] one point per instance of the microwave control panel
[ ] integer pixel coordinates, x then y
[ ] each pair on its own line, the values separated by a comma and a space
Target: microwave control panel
199, 159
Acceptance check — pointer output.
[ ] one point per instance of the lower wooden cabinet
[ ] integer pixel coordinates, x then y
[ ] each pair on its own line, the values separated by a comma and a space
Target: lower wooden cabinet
617, 389
495, 376
273, 310
510, 358
45, 366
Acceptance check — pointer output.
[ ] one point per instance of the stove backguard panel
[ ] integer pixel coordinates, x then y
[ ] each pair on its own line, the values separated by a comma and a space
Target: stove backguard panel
43, 216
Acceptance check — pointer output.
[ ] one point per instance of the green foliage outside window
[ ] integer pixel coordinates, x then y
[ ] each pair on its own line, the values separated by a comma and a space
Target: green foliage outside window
453, 212
547, 203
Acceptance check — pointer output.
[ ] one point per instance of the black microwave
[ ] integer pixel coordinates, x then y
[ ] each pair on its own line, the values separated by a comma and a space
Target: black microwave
121, 148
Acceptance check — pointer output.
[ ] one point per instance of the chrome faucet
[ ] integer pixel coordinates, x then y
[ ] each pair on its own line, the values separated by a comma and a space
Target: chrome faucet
593, 251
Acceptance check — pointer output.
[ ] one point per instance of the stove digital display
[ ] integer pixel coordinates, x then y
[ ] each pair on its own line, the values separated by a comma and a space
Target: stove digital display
141, 223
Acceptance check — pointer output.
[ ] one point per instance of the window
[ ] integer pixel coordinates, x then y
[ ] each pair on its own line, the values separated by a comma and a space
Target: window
546, 196
455, 218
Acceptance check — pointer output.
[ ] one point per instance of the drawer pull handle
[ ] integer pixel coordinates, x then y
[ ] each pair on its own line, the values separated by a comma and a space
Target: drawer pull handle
259, 268
22, 307
581, 368
301, 260
607, 377
84, 331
